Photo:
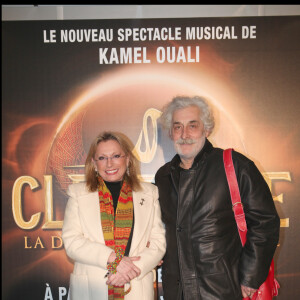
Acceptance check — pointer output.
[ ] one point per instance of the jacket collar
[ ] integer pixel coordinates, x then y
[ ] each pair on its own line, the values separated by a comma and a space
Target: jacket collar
207, 148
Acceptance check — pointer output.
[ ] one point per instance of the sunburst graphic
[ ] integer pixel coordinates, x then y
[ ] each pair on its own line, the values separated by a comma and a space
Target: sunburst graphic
67, 151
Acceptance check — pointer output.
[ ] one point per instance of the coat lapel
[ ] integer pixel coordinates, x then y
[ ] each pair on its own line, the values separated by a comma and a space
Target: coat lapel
142, 204
90, 210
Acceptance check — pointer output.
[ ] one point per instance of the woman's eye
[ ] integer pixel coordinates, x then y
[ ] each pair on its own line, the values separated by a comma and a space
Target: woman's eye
117, 156
101, 158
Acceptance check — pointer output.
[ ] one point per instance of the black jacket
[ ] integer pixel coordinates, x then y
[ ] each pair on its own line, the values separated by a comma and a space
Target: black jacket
204, 256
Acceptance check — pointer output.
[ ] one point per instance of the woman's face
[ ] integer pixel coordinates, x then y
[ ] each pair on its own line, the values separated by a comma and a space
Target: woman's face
110, 161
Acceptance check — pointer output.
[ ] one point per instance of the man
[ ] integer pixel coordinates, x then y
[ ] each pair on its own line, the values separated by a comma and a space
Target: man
205, 258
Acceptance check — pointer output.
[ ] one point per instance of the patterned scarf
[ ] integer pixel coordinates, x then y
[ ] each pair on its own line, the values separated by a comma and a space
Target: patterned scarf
116, 228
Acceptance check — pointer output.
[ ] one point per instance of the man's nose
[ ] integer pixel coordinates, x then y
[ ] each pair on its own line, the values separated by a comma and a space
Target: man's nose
184, 133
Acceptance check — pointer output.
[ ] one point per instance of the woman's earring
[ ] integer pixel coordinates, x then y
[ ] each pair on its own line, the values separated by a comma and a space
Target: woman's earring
127, 171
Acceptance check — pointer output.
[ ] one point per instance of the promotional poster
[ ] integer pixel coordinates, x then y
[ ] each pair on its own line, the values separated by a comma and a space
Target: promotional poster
64, 82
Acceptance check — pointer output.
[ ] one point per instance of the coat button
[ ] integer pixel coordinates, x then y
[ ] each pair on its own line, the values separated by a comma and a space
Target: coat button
179, 228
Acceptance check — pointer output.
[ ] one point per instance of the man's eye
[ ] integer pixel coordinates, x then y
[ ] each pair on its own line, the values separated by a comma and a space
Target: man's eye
193, 126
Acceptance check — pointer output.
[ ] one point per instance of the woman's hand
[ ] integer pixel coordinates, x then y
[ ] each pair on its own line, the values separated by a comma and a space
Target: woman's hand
128, 269
112, 257
116, 279
160, 263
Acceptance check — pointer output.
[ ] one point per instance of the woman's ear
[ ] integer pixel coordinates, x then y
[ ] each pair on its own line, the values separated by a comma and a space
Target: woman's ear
94, 164
127, 160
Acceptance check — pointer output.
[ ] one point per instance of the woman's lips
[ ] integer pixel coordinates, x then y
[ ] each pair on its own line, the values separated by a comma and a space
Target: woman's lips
111, 172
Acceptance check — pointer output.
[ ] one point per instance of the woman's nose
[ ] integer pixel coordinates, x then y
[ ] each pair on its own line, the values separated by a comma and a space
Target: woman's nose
109, 161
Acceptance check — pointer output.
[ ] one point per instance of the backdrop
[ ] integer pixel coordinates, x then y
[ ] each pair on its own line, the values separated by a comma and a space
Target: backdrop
65, 81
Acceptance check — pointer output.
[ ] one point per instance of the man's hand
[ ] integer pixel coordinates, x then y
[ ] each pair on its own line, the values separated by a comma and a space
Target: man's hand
247, 291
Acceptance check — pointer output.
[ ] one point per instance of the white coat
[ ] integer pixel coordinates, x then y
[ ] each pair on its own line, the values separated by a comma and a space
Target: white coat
84, 243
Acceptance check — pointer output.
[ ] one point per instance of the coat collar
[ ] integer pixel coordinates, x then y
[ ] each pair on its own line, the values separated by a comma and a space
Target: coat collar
207, 148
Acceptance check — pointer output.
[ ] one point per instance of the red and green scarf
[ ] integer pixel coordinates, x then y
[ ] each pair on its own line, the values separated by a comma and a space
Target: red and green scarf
116, 228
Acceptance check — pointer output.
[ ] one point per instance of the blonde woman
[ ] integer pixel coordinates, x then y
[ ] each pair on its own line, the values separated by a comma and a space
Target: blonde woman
112, 226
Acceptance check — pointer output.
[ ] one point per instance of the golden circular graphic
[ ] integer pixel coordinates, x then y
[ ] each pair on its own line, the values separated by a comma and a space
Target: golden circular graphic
130, 101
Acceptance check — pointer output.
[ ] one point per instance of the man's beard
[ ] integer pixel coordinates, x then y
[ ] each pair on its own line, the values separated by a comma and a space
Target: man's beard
199, 143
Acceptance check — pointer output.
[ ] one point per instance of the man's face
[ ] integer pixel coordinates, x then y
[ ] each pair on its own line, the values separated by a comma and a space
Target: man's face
188, 132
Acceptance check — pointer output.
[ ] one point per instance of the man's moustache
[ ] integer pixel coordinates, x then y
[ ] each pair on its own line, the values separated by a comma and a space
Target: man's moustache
185, 141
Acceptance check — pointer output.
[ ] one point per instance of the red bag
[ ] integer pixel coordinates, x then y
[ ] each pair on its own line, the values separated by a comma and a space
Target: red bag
270, 287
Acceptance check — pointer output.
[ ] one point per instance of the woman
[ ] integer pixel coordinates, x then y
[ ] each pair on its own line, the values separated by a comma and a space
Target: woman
112, 226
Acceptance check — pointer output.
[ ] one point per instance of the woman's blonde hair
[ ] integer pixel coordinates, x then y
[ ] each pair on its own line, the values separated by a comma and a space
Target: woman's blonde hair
126, 145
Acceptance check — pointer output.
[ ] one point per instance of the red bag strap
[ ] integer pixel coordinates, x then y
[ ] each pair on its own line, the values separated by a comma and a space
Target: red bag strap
237, 205
239, 215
